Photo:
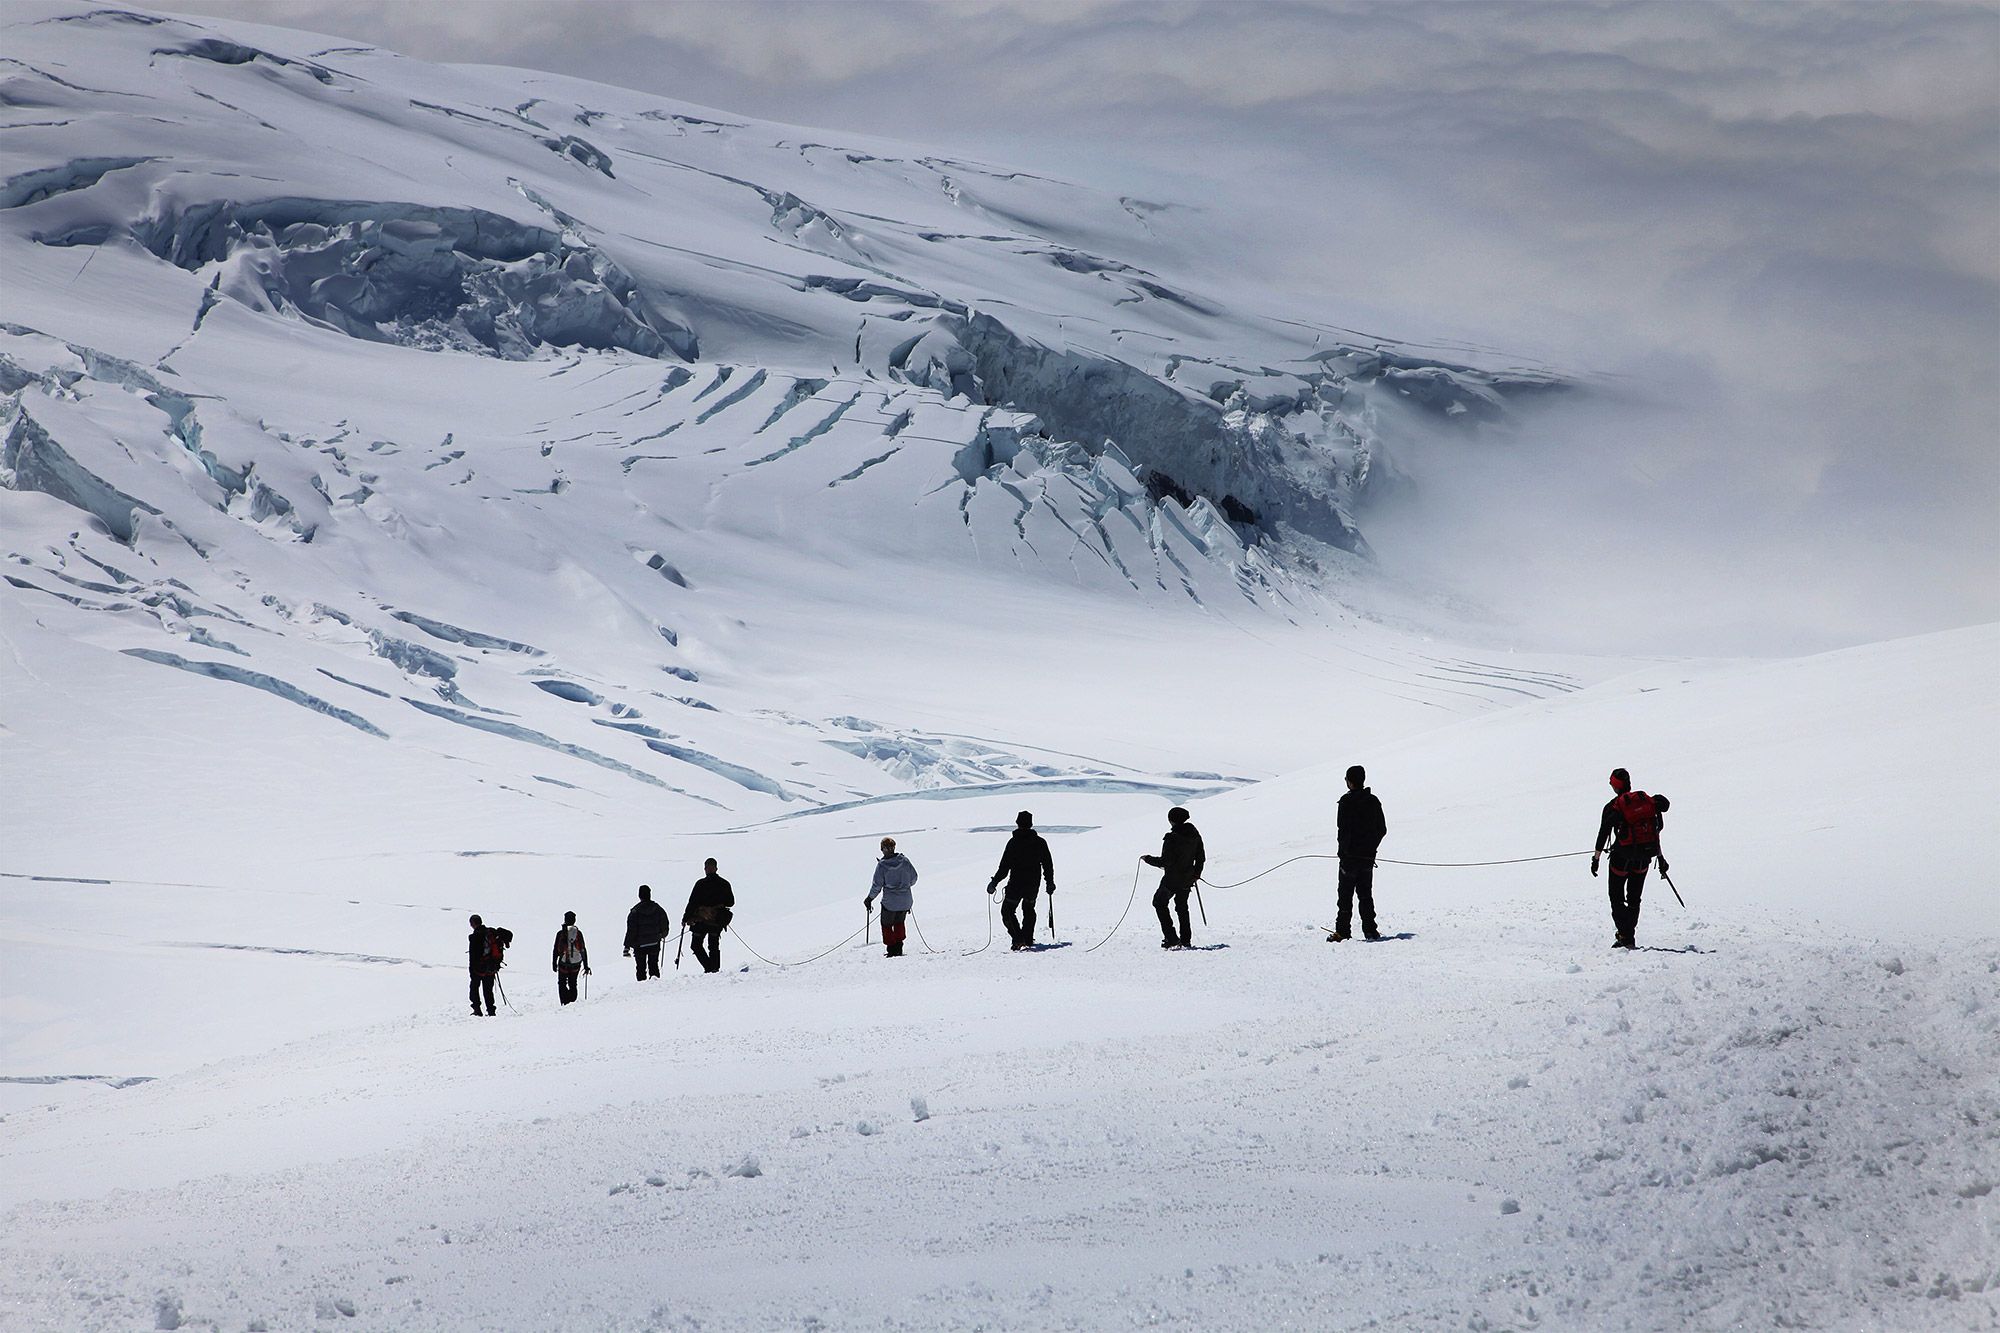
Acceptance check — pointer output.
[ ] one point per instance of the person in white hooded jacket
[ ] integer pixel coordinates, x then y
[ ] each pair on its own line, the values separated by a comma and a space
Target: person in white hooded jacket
894, 877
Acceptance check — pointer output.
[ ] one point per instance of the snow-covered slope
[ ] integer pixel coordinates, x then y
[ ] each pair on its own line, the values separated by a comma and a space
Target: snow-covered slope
1487, 1120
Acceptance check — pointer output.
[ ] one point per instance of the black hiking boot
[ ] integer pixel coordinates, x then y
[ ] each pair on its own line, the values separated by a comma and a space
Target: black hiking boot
1338, 937
1371, 935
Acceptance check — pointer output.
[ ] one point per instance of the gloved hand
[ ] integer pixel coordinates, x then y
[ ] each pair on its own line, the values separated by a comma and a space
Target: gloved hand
1663, 865
1052, 888
869, 901
628, 951
586, 971
1593, 865
1150, 860
991, 887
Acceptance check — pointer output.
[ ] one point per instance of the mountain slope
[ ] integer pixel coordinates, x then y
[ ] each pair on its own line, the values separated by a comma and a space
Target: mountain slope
525, 421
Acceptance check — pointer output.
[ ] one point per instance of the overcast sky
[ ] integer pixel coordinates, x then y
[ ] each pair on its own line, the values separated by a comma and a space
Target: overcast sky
1780, 219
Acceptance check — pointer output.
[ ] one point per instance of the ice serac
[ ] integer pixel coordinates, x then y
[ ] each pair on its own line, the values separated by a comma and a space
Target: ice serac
436, 278
31, 460
1253, 469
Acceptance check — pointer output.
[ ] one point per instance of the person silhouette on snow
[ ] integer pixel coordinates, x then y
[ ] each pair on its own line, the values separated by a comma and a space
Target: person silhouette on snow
1362, 829
485, 951
1024, 865
894, 878
709, 910
568, 958
645, 926
1630, 826
1181, 858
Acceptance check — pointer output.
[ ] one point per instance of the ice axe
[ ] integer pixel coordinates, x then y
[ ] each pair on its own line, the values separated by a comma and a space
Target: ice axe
1670, 884
1052, 911
677, 946
1198, 903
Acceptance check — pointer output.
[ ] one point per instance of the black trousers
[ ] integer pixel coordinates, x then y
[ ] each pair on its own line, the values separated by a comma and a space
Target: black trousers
1627, 887
566, 984
1017, 909
1357, 880
479, 984
706, 941
1176, 894
646, 958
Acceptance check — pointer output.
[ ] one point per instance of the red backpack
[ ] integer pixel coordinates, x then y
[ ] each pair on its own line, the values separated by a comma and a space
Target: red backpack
497, 940
1641, 817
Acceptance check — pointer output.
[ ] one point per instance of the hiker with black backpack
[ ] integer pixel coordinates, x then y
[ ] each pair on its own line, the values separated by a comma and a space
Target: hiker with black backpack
485, 955
708, 913
1630, 826
1181, 857
1361, 830
569, 958
645, 926
1024, 865
894, 879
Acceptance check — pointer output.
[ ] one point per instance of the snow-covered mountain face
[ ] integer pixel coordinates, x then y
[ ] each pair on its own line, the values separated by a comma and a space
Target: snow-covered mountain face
491, 414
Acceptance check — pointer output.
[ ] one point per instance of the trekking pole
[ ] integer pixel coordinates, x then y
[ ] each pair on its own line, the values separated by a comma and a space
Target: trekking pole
1199, 903
1677, 893
1052, 913
867, 923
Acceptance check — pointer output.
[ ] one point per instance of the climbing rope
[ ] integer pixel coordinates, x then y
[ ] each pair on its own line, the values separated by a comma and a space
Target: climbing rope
989, 931
1390, 861
803, 961
920, 935
1130, 898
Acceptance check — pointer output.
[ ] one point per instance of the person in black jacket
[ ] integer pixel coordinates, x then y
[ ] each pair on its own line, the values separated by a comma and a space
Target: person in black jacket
1181, 859
568, 958
1362, 829
645, 926
1024, 865
484, 948
707, 915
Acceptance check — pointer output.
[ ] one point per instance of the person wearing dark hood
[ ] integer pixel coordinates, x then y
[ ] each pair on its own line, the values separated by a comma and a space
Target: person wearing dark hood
1181, 860
894, 879
708, 913
1024, 865
1362, 829
1630, 826
485, 950
645, 926
569, 958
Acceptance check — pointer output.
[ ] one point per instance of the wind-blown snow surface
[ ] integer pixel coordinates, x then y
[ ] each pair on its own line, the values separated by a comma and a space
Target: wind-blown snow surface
431, 490
1487, 1120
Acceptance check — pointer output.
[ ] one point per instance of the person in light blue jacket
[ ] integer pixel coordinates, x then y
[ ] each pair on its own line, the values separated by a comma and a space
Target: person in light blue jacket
894, 876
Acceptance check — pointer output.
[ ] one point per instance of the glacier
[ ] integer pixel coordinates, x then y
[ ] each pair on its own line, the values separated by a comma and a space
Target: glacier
429, 489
